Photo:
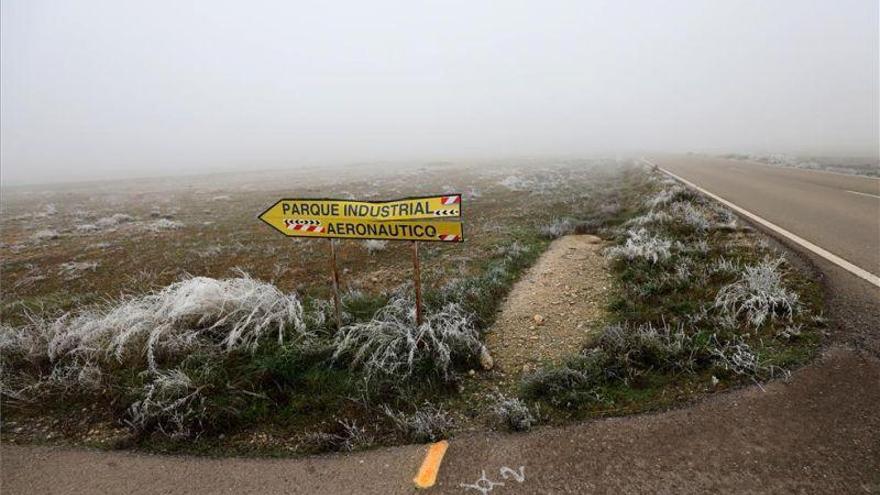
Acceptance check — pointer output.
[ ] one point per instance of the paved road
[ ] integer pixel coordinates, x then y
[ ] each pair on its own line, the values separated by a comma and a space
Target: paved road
840, 213
820, 433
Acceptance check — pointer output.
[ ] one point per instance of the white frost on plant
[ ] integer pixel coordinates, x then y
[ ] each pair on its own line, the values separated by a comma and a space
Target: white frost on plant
427, 424
650, 218
374, 245
73, 269
690, 215
641, 244
171, 401
391, 344
514, 413
198, 312
164, 224
558, 228
759, 294
665, 196
515, 183
113, 220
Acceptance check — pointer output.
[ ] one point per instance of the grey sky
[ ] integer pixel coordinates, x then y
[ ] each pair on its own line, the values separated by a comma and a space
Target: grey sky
104, 88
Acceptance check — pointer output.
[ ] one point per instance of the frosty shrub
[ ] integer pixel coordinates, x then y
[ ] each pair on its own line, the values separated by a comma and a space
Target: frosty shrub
725, 266
622, 353
558, 228
164, 224
574, 382
758, 295
691, 216
391, 345
738, 357
163, 354
49, 210
224, 314
113, 220
513, 413
26, 341
170, 402
427, 424
515, 183
513, 250
725, 219
641, 244
374, 245
667, 196
73, 268
347, 437
650, 218
634, 349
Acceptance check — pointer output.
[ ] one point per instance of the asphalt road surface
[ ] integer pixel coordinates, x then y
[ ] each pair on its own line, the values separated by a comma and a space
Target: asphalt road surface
818, 433
840, 213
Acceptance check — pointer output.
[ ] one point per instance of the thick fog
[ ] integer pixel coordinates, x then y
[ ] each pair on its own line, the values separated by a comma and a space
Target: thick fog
96, 89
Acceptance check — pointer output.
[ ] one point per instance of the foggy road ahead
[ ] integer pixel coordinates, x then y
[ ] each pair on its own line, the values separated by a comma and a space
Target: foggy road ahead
839, 213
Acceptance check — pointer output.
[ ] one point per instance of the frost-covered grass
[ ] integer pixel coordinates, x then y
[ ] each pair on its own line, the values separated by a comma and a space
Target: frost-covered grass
641, 244
649, 218
180, 370
698, 303
73, 269
759, 294
197, 312
558, 228
513, 413
164, 224
374, 245
427, 424
113, 220
182, 374
170, 402
147, 348
391, 345
668, 195
191, 357
691, 215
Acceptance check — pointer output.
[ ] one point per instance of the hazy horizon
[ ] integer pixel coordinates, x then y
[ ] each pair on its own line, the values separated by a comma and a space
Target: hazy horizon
101, 89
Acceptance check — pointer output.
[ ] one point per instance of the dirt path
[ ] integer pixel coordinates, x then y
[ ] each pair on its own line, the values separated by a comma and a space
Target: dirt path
553, 308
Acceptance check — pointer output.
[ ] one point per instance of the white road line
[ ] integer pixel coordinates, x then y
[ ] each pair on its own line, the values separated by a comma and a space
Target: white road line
837, 260
863, 194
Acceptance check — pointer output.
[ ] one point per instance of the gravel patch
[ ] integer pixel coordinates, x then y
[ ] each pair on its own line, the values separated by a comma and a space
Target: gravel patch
552, 310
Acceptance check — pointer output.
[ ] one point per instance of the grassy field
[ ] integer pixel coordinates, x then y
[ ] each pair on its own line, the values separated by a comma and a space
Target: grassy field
163, 315
702, 303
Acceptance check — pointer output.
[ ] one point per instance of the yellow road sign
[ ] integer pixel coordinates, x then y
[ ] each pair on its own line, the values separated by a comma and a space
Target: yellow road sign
352, 228
422, 208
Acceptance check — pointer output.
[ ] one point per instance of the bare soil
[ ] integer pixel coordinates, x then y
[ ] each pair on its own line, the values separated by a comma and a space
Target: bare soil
553, 309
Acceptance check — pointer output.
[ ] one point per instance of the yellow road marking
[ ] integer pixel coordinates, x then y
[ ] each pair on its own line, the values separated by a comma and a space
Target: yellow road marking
427, 474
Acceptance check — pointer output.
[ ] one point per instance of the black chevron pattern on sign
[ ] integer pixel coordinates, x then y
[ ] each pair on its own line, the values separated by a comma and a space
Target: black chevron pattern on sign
302, 222
445, 213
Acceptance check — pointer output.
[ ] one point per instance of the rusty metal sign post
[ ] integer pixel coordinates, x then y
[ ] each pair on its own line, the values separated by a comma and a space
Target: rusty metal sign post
335, 273
425, 219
